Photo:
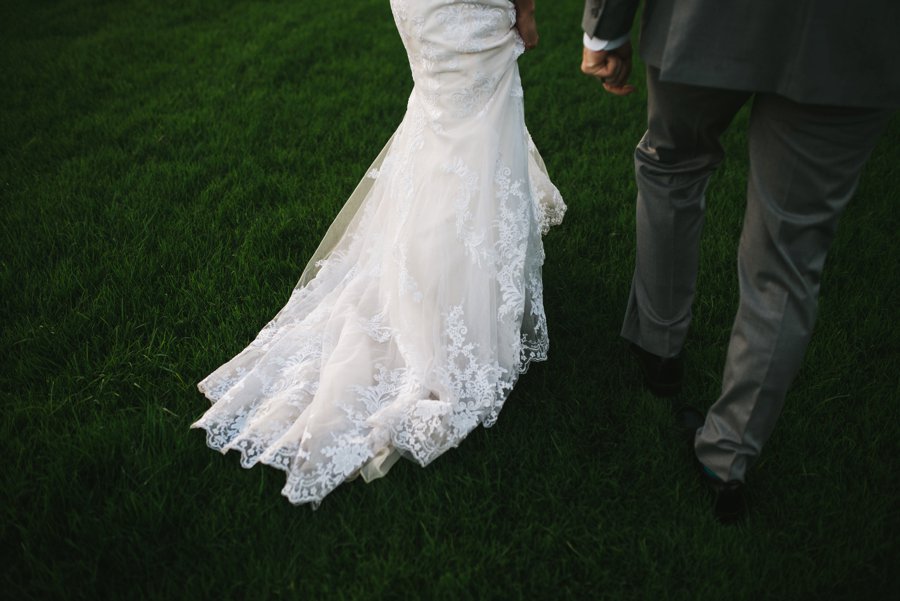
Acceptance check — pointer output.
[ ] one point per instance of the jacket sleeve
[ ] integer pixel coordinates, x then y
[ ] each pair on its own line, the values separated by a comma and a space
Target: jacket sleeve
608, 19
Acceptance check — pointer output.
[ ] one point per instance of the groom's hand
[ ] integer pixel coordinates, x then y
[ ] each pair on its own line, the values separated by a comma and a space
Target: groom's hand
611, 67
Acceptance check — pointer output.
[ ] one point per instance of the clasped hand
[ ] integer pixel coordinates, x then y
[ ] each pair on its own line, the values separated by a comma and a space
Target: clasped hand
611, 67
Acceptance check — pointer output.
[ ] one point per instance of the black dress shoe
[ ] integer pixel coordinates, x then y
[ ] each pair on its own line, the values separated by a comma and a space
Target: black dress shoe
729, 504
662, 375
729, 500
689, 420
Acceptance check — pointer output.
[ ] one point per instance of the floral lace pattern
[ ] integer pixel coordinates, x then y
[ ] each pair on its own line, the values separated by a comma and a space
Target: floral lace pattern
427, 303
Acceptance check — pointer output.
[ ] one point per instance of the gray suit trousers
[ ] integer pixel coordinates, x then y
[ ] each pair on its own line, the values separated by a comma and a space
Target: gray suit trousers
805, 163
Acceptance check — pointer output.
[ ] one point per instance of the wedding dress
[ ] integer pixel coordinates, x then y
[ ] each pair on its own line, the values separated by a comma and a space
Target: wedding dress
423, 303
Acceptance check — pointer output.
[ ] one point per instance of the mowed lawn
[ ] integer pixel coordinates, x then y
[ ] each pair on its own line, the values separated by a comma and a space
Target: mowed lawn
166, 169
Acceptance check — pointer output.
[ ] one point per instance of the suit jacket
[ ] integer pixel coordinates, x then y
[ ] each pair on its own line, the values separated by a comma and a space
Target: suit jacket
830, 52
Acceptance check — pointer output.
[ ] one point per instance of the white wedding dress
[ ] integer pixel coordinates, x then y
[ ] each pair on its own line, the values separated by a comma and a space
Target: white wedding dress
423, 303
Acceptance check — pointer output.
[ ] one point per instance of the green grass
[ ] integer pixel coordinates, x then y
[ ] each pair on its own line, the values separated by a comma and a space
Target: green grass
167, 167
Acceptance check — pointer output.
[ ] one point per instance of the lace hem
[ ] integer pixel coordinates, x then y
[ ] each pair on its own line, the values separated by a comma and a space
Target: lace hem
414, 436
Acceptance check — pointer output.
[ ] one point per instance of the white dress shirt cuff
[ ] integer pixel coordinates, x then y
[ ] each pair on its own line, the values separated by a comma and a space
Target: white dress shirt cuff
597, 44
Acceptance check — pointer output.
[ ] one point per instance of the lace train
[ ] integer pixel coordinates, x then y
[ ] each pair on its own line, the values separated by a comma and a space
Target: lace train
423, 304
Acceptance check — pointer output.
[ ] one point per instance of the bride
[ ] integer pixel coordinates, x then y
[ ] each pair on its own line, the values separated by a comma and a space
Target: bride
423, 303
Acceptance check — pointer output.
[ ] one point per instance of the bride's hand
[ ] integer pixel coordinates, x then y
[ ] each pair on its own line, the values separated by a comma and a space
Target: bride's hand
525, 22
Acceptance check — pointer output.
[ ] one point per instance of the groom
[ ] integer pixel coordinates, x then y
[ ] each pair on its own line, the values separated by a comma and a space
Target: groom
822, 79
